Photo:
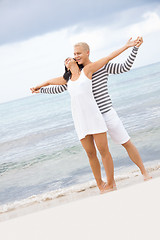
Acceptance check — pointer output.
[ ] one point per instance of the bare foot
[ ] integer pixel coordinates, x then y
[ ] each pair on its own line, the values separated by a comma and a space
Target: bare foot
114, 184
146, 176
108, 188
102, 185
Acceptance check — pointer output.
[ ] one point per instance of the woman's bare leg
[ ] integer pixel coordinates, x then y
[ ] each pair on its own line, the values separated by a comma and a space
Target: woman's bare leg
89, 146
102, 145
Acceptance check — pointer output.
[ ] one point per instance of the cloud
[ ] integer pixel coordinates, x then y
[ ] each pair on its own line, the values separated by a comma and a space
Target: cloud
150, 24
25, 64
20, 20
100, 37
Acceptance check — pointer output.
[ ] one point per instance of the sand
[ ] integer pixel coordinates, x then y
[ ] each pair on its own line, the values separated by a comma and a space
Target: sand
128, 213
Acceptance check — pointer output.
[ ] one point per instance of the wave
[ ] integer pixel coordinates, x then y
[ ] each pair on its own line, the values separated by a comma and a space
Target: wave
33, 137
65, 192
39, 158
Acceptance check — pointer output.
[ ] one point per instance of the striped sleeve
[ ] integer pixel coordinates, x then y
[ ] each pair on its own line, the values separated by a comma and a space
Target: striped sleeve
54, 89
116, 68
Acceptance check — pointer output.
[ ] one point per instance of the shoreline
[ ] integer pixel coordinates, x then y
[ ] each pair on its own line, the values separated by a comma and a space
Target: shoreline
83, 191
131, 213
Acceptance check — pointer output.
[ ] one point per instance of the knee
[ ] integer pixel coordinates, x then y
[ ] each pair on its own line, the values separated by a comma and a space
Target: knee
127, 144
91, 153
104, 151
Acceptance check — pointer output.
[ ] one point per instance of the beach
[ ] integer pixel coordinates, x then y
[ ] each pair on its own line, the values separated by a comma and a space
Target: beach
46, 179
127, 213
41, 156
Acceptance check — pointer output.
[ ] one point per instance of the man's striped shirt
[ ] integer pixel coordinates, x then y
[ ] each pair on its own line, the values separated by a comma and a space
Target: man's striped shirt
100, 82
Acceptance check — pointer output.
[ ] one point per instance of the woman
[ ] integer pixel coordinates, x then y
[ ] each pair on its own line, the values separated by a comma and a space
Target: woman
88, 121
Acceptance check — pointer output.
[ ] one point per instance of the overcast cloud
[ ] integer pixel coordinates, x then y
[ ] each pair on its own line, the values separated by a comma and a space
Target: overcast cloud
36, 36
20, 20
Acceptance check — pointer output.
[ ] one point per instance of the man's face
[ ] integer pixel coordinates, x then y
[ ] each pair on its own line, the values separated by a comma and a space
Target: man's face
80, 54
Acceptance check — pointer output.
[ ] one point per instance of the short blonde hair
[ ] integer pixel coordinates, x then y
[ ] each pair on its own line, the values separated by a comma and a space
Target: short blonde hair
84, 45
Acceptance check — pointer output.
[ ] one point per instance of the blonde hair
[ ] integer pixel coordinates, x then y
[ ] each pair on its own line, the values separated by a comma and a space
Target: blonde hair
84, 45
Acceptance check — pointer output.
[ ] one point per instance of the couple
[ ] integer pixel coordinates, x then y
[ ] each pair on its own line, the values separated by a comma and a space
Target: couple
92, 109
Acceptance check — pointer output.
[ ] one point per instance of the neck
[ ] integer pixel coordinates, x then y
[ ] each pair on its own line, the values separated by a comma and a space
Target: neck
86, 62
75, 70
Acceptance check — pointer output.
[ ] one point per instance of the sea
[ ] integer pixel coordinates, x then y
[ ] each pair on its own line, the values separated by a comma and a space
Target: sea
41, 157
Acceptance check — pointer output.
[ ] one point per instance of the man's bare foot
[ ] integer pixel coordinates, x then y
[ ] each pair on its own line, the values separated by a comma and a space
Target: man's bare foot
146, 176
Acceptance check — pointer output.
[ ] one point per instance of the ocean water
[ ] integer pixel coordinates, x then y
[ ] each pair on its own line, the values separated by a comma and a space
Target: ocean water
41, 156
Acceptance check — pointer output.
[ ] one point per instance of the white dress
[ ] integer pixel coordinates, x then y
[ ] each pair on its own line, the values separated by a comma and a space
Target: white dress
86, 114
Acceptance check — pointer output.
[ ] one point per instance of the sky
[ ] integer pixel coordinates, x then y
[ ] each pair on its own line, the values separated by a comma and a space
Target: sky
37, 35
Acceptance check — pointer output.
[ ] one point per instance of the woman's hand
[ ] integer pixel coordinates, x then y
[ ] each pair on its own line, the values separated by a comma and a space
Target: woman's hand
132, 43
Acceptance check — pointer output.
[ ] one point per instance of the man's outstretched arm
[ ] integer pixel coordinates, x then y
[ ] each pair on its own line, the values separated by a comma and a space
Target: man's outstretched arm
117, 68
54, 89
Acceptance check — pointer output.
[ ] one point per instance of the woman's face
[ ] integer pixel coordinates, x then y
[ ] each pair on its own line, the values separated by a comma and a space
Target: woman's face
69, 62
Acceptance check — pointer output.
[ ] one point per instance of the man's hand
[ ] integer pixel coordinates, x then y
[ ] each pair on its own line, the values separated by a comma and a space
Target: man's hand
35, 90
140, 41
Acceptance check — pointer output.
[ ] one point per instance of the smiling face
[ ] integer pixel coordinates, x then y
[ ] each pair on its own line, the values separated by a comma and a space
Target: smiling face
81, 54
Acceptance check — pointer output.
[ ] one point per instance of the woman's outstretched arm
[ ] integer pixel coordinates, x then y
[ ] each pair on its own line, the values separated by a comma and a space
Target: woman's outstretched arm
95, 66
53, 81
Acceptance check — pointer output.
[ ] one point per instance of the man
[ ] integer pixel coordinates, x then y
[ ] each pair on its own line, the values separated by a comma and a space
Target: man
100, 92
